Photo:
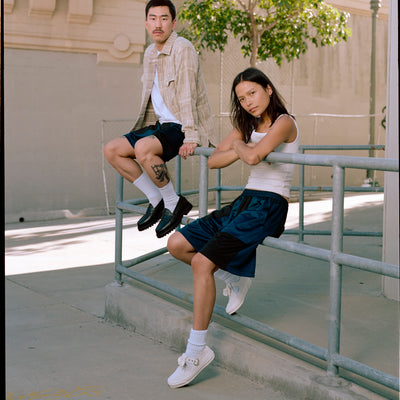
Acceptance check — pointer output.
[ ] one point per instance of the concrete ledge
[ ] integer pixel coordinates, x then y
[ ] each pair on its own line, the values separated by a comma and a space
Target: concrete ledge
145, 313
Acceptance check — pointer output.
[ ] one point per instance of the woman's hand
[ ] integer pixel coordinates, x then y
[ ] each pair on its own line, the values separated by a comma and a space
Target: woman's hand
224, 154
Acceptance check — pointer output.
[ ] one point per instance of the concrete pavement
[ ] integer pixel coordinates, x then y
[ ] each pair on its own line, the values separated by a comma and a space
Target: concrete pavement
59, 346
57, 338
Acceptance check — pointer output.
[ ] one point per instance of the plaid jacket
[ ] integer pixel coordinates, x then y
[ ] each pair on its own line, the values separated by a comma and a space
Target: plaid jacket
182, 88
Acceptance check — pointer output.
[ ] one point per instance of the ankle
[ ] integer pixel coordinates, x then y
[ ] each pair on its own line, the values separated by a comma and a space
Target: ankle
196, 343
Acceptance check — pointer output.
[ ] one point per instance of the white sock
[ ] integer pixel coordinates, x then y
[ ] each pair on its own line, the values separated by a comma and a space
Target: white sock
196, 343
169, 195
226, 276
147, 186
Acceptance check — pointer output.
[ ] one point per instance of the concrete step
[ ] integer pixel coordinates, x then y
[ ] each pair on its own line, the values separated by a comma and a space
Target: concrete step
138, 308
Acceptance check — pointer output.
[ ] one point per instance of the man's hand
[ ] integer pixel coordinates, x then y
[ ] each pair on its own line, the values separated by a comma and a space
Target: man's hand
187, 149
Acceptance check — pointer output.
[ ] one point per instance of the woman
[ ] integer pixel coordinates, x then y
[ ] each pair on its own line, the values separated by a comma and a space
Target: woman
224, 243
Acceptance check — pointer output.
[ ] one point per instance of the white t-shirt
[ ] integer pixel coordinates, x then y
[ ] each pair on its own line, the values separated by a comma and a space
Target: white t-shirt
274, 177
161, 110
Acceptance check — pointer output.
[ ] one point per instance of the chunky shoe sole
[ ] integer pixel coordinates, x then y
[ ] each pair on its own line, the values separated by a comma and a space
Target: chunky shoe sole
169, 227
152, 217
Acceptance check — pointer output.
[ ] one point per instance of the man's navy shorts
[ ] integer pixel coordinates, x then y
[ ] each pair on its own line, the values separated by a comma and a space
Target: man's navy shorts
229, 237
169, 134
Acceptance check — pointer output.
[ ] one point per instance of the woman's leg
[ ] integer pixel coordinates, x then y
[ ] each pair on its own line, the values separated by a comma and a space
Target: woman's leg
203, 291
180, 248
197, 355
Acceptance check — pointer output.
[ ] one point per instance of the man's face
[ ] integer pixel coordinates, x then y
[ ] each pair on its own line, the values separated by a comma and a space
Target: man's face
159, 25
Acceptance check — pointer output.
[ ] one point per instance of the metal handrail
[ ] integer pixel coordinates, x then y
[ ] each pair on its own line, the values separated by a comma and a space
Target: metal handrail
334, 256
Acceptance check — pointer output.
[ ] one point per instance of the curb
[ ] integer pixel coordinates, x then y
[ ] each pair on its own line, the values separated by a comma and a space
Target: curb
142, 312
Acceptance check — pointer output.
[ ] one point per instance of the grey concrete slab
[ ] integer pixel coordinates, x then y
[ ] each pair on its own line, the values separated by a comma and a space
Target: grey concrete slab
145, 313
56, 273
56, 349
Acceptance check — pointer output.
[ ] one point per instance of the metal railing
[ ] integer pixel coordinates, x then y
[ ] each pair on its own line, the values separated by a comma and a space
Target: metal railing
302, 189
335, 256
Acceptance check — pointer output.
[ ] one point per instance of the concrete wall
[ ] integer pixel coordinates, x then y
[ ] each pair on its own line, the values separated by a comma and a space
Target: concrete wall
391, 210
55, 103
67, 69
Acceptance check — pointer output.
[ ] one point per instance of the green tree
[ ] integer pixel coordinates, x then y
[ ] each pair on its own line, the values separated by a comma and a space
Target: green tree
266, 28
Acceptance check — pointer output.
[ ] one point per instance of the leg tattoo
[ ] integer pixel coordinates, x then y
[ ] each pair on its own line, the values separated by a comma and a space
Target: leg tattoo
161, 172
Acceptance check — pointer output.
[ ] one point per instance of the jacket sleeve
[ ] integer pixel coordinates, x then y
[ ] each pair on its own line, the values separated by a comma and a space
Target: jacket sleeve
187, 71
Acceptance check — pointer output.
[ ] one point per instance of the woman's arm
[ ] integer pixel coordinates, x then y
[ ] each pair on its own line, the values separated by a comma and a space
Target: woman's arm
224, 155
283, 130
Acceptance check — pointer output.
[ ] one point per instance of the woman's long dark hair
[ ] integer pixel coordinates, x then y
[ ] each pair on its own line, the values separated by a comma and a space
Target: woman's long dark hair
241, 119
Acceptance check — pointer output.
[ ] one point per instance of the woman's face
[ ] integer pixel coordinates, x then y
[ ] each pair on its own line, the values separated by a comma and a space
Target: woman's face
253, 97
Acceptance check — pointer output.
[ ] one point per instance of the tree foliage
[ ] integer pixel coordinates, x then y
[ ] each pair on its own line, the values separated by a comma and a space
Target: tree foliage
275, 29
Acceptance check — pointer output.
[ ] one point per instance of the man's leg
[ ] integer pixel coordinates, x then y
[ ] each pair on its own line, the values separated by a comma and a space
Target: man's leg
120, 154
149, 153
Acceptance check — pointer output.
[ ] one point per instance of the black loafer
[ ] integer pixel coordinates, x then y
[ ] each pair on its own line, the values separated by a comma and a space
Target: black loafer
151, 216
169, 221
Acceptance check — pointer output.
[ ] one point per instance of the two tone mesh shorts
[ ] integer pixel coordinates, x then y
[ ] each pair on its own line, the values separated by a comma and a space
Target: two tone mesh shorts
229, 237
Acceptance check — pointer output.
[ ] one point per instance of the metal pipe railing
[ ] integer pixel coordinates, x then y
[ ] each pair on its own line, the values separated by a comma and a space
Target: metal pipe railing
302, 189
334, 256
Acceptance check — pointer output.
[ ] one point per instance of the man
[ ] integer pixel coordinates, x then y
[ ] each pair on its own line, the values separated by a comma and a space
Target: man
174, 97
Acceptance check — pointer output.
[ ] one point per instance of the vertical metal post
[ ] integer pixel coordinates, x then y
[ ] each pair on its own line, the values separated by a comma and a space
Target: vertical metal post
335, 292
301, 201
118, 227
203, 186
375, 5
218, 195
178, 178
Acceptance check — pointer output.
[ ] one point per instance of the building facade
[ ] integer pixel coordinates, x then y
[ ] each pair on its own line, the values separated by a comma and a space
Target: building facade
72, 82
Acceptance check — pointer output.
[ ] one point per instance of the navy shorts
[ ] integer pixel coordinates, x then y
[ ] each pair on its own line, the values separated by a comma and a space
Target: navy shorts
169, 134
229, 237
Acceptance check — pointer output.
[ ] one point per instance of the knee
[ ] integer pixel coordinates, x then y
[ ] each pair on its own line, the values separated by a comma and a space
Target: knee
202, 266
109, 150
142, 151
146, 149
174, 245
197, 262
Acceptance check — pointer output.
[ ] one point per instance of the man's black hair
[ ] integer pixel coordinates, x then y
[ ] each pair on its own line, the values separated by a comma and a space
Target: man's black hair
161, 3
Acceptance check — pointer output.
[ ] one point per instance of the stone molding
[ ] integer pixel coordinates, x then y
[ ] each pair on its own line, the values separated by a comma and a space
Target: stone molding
114, 30
80, 11
41, 8
8, 6
361, 7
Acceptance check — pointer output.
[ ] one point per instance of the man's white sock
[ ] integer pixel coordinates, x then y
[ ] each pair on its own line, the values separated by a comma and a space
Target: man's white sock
196, 343
169, 195
146, 185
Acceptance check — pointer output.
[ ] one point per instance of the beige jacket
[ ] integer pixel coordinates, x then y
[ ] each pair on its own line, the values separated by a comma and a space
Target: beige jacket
182, 88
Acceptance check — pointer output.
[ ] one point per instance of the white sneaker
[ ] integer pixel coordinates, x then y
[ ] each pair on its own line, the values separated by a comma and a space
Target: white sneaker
237, 292
189, 368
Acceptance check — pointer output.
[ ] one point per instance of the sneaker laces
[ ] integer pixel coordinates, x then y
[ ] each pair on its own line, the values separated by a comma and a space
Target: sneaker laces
184, 360
228, 290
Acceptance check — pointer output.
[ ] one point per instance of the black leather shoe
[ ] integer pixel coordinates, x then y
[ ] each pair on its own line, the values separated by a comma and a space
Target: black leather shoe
170, 220
151, 216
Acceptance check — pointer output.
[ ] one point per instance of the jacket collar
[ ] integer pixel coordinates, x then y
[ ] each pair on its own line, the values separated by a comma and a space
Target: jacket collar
167, 48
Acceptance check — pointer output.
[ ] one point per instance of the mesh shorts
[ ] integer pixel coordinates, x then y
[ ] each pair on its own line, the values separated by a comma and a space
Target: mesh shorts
169, 134
229, 237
